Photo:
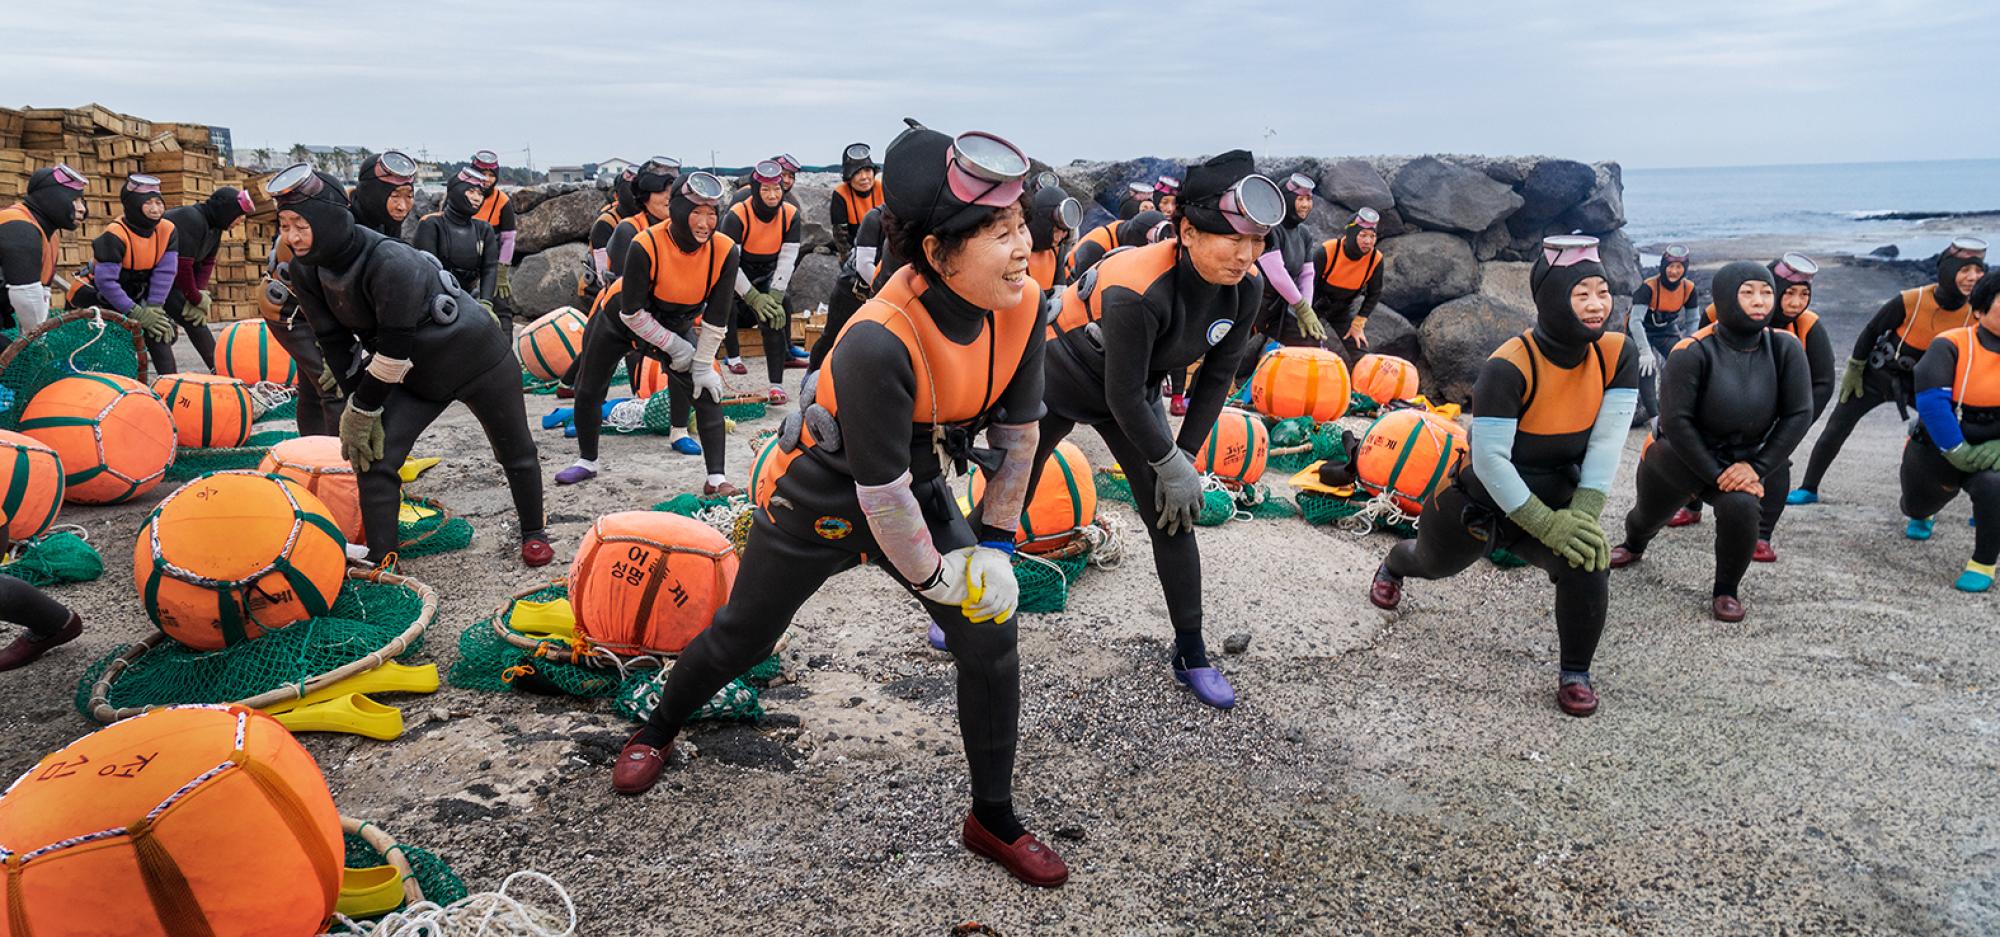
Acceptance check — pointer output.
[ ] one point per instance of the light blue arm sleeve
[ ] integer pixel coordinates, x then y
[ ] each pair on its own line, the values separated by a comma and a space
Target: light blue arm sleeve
1607, 438
1493, 460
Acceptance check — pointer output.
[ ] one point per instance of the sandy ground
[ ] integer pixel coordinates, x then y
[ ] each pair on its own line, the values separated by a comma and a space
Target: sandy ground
1827, 766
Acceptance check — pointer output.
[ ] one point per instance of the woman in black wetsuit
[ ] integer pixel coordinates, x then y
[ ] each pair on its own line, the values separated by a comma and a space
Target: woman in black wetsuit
1143, 313
1735, 399
950, 348
468, 248
1955, 445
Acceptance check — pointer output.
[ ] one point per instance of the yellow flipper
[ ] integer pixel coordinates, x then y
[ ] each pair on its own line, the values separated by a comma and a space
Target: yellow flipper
415, 467
370, 892
413, 512
552, 619
353, 714
391, 677
1308, 480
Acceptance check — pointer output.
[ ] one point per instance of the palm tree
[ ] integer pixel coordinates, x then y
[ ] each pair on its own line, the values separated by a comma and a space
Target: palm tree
263, 156
343, 162
300, 154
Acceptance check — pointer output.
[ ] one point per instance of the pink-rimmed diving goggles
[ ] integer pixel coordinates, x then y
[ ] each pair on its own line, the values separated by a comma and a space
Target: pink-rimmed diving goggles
396, 168
486, 160
140, 182
66, 177
1795, 268
1968, 248
1167, 185
982, 169
1367, 219
1253, 206
1568, 250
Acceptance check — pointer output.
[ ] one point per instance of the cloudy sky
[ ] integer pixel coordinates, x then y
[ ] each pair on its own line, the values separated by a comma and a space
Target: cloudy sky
1676, 83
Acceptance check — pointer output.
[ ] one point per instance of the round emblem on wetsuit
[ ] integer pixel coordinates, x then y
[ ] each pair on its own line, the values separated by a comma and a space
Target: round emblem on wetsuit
833, 528
1219, 330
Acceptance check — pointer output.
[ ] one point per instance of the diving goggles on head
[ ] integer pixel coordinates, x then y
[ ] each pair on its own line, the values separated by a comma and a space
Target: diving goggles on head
1045, 179
396, 168
1795, 268
786, 162
1366, 219
767, 172
66, 177
1674, 254
1069, 214
486, 159
702, 188
1568, 250
1253, 206
1299, 183
474, 177
295, 183
858, 151
982, 169
1167, 185
139, 182
1969, 248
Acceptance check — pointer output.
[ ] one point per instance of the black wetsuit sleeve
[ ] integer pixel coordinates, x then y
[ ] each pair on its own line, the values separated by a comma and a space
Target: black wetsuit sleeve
1498, 391
1819, 358
1624, 372
1643, 296
1795, 406
1681, 384
722, 295
1319, 270
489, 253
1218, 369
400, 291
508, 221
619, 248
1886, 320
792, 228
20, 253
1938, 368
1023, 399
843, 233
428, 239
1374, 293
1083, 258
336, 342
873, 368
107, 249
637, 289
732, 225
600, 234
1131, 327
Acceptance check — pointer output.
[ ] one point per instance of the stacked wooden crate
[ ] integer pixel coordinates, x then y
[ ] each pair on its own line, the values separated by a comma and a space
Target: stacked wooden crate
106, 146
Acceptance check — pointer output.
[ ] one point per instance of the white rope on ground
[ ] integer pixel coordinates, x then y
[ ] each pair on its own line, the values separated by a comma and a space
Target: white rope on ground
486, 914
1105, 549
627, 415
1379, 511
269, 395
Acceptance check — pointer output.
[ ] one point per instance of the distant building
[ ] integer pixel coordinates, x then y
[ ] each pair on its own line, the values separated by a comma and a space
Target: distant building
568, 174
611, 168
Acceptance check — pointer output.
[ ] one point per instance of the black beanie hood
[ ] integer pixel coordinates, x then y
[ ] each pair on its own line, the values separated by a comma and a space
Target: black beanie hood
1730, 319
134, 205
850, 165
1204, 184
52, 201
1783, 286
371, 199
1042, 217
922, 196
1948, 266
332, 221
679, 208
625, 201
457, 198
1555, 319
223, 207
1133, 230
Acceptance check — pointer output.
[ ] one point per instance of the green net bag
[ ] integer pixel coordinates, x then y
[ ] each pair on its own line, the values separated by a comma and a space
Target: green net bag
1111, 485
54, 559
368, 846
436, 530
1360, 404
377, 617
80, 340
289, 410
738, 701
190, 464
1505, 558
1046, 580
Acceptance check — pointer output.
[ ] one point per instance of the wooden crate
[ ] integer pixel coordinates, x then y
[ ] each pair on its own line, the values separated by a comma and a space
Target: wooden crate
166, 161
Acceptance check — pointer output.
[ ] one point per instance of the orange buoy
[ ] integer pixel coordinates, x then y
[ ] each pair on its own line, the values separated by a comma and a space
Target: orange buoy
193, 819
232, 555
316, 463
647, 582
1385, 378
246, 351
1409, 455
1237, 448
551, 343
1293, 382
1064, 501
210, 411
652, 377
765, 470
31, 486
115, 438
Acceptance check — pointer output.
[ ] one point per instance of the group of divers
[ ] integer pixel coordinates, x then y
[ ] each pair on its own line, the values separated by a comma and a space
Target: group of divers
970, 308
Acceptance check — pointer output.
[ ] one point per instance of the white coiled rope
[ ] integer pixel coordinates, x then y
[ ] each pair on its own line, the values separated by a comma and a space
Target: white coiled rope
486, 914
628, 415
1379, 511
268, 396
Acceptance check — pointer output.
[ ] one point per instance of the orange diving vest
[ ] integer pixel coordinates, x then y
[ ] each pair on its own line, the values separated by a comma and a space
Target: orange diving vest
51, 246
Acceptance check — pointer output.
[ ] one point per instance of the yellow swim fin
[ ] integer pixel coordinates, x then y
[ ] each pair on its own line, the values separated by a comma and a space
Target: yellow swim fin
391, 677
551, 619
415, 467
1308, 480
413, 512
370, 892
353, 714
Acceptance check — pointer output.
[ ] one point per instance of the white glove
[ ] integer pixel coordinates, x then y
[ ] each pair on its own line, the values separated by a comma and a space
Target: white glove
1648, 361
679, 352
992, 594
706, 379
948, 584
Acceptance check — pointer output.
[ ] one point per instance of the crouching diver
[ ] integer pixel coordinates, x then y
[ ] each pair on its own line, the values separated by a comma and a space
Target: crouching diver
198, 230
427, 343
1735, 399
1348, 283
767, 227
31, 242
468, 248
1886, 352
1550, 412
49, 624
679, 277
1053, 218
385, 192
1955, 445
134, 264
1143, 313
498, 211
951, 348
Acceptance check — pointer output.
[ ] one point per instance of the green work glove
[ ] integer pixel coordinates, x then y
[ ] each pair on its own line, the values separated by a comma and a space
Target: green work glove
503, 288
1850, 381
1588, 502
1969, 458
1569, 533
152, 320
206, 303
361, 436
778, 295
1309, 321
490, 314
329, 384
769, 311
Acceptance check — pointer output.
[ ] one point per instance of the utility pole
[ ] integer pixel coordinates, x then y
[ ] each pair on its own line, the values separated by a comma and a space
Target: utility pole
529, 150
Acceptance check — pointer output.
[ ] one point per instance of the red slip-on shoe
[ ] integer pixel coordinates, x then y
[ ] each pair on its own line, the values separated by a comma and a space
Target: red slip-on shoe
1763, 553
1386, 591
1576, 699
639, 767
1027, 859
1726, 608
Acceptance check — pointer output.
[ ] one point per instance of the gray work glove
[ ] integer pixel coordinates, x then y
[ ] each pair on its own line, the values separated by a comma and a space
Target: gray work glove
1176, 492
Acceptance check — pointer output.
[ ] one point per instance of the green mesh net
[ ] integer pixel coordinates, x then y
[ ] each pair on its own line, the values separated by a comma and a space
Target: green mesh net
1320, 508
744, 410
289, 410
690, 505
534, 385
365, 618
194, 463
55, 352
54, 559
1045, 581
432, 533
1360, 404
1505, 558
439, 882
488, 661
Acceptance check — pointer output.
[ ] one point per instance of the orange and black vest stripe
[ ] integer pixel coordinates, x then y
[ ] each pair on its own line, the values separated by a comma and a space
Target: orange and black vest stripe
681, 278
1042, 269
142, 253
1924, 321
764, 238
51, 246
1662, 301
1558, 401
955, 383
1343, 274
858, 204
1976, 383
489, 210
1135, 269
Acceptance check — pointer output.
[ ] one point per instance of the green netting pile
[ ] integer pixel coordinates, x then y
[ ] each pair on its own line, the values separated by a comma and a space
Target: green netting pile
54, 559
439, 882
488, 661
289, 410
364, 619
1218, 506
194, 463
1505, 558
659, 419
1297, 443
442, 532
1360, 404
55, 352
531, 384
690, 505
1045, 581
1321, 508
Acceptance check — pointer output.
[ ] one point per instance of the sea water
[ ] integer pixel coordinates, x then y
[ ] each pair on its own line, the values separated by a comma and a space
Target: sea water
1828, 208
